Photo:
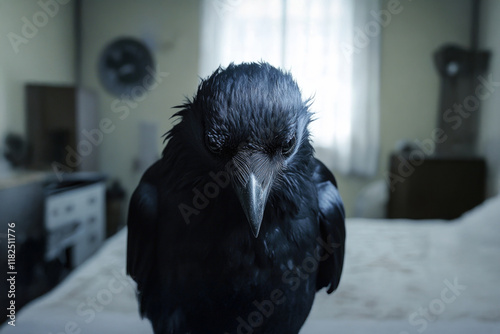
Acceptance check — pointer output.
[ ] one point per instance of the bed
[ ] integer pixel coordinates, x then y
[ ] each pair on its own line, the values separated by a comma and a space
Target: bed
400, 276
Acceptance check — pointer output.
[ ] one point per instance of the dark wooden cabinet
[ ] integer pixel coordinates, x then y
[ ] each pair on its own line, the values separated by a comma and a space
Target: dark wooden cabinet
434, 187
61, 121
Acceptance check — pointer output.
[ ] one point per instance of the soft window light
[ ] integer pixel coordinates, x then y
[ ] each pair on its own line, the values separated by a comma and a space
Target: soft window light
310, 39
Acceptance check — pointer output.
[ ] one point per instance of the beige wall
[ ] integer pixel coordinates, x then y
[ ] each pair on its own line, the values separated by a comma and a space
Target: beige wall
45, 53
171, 28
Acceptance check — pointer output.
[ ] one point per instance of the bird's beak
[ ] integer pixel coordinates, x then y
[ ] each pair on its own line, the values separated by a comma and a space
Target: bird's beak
253, 197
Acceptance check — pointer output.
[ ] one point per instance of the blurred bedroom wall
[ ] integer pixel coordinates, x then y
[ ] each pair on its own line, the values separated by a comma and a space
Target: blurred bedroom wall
410, 84
171, 29
409, 81
45, 56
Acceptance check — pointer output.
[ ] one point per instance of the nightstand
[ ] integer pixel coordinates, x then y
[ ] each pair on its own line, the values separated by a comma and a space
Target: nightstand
434, 188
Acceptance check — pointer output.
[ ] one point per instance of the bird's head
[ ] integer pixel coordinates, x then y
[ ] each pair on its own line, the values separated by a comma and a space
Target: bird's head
251, 118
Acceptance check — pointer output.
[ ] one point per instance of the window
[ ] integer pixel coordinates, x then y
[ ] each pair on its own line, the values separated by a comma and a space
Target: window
315, 40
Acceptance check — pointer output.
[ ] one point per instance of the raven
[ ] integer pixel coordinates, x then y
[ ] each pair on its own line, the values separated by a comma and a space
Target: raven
237, 225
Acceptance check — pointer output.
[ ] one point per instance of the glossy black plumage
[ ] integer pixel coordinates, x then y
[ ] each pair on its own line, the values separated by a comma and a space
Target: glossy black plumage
199, 265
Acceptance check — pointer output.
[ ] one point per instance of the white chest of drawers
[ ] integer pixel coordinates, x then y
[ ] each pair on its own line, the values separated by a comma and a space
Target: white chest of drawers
75, 222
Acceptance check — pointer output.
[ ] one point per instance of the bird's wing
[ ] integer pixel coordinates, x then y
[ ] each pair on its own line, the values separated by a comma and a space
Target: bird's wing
332, 228
142, 231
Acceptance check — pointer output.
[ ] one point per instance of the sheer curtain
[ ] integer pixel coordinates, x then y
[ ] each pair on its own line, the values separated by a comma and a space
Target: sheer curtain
331, 47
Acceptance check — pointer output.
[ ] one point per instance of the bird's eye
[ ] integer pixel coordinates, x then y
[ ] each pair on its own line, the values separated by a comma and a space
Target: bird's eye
213, 145
288, 146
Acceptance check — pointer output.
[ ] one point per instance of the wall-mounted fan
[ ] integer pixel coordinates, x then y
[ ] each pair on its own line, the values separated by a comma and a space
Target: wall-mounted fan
123, 66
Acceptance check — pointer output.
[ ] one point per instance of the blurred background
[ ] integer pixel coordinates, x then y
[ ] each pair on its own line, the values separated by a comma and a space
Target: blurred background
405, 93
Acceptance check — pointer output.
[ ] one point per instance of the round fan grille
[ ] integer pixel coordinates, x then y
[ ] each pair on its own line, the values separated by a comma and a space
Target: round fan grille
124, 65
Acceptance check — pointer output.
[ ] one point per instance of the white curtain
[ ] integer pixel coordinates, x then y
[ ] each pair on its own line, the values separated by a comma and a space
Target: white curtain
332, 49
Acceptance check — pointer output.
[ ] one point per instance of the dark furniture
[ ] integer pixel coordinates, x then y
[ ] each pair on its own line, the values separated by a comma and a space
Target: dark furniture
434, 188
62, 127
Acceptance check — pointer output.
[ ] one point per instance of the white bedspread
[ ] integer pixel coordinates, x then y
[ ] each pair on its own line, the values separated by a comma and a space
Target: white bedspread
399, 277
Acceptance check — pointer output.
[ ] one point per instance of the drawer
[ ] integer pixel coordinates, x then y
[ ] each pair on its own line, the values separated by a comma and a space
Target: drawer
74, 205
75, 219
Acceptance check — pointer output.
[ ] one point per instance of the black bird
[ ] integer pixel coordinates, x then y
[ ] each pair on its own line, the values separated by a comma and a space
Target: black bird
237, 226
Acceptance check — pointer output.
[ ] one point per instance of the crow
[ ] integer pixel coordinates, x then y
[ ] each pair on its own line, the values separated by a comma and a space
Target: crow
237, 225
